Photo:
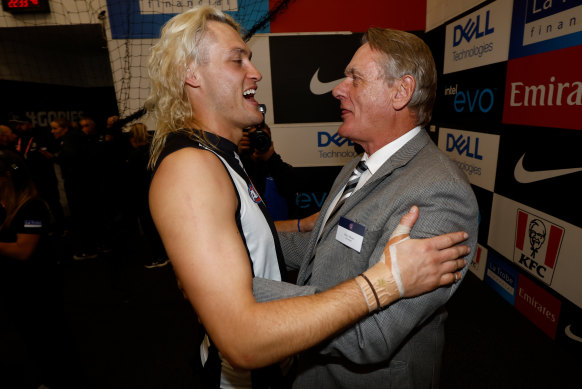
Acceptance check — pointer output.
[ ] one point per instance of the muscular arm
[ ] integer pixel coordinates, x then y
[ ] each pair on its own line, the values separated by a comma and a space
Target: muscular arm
193, 205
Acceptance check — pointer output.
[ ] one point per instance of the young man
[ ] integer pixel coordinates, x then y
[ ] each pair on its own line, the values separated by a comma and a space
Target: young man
216, 230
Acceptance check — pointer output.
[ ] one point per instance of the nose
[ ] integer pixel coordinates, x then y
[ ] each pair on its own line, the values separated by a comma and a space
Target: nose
254, 73
339, 91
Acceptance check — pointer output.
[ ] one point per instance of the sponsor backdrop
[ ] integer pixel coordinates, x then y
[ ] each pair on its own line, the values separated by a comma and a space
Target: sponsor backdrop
508, 111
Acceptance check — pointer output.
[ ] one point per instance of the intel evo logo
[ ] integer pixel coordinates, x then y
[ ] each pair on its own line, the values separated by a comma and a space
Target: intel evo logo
472, 29
471, 100
325, 139
464, 146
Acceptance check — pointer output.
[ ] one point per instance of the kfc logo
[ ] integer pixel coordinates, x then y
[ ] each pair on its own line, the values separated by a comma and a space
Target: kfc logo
537, 245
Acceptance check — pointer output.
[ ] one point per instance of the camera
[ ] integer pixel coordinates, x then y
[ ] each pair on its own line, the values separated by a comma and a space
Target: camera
260, 139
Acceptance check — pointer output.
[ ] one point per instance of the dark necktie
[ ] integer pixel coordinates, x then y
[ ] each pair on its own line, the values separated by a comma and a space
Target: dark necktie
350, 186
348, 190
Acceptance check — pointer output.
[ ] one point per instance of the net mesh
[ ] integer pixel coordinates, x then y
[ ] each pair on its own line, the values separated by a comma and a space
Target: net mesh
56, 51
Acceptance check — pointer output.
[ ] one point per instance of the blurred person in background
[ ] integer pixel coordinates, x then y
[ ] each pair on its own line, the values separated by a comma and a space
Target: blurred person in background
137, 183
8, 138
274, 179
72, 152
30, 284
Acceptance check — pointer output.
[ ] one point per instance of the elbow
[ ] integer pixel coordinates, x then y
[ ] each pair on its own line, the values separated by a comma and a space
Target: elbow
245, 351
241, 364
242, 358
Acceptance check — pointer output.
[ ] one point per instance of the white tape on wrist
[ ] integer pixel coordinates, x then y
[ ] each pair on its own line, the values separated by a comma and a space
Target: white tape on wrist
395, 268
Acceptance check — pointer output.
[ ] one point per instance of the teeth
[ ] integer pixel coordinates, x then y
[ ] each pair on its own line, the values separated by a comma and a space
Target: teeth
249, 92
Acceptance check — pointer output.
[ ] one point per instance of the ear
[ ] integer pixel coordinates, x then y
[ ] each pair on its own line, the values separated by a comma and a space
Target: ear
404, 90
192, 78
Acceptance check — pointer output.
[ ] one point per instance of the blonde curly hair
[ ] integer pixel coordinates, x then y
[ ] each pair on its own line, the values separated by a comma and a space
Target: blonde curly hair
181, 43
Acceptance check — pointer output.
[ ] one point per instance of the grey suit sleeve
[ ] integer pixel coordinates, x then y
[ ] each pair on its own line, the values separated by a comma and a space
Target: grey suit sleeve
377, 337
293, 245
268, 290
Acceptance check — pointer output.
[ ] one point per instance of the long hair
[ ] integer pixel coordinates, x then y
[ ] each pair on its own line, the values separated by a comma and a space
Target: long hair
139, 133
16, 187
403, 54
181, 43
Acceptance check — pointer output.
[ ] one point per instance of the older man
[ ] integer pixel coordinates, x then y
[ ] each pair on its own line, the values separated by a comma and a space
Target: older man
385, 100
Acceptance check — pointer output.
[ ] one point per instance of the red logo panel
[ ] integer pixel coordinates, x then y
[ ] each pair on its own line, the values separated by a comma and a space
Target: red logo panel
545, 90
538, 305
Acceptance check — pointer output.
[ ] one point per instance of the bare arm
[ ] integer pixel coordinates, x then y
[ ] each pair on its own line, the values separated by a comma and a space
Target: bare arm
22, 249
193, 205
297, 225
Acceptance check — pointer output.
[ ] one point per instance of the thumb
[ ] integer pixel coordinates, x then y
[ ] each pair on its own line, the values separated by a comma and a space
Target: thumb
400, 234
402, 231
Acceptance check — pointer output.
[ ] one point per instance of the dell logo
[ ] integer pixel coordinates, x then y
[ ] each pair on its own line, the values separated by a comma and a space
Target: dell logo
471, 30
325, 139
463, 146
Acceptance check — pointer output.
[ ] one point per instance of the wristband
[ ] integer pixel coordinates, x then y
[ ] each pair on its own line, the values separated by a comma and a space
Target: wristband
298, 228
378, 286
369, 292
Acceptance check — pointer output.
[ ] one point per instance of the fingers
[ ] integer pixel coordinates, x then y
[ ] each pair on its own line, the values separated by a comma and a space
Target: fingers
450, 278
442, 242
453, 266
454, 254
452, 271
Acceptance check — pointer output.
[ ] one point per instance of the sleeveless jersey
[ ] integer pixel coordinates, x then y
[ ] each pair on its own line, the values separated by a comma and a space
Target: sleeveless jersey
260, 239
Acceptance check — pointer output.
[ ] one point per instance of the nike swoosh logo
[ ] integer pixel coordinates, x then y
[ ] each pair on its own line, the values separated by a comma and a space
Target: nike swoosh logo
571, 335
525, 176
319, 88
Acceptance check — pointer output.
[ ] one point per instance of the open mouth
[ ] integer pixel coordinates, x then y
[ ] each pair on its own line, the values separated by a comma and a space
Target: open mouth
249, 94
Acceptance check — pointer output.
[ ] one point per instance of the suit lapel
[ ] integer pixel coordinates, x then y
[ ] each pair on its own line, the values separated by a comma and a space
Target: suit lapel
399, 159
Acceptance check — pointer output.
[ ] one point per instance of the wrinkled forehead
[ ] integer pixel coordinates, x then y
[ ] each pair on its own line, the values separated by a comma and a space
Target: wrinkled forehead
365, 61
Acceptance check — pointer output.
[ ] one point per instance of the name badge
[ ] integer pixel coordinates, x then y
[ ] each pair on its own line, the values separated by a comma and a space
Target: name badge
350, 233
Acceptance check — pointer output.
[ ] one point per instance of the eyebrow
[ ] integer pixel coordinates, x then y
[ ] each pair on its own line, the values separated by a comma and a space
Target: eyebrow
241, 51
352, 71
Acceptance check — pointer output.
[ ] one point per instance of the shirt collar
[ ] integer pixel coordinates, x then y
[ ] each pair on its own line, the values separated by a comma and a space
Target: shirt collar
377, 159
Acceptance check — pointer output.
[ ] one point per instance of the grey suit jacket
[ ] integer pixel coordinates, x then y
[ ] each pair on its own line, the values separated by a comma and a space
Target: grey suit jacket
400, 346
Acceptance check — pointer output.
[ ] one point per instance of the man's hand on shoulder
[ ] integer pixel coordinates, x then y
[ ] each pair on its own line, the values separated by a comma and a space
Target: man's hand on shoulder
411, 267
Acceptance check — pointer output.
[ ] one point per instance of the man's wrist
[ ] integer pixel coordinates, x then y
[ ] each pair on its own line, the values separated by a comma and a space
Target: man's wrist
378, 286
